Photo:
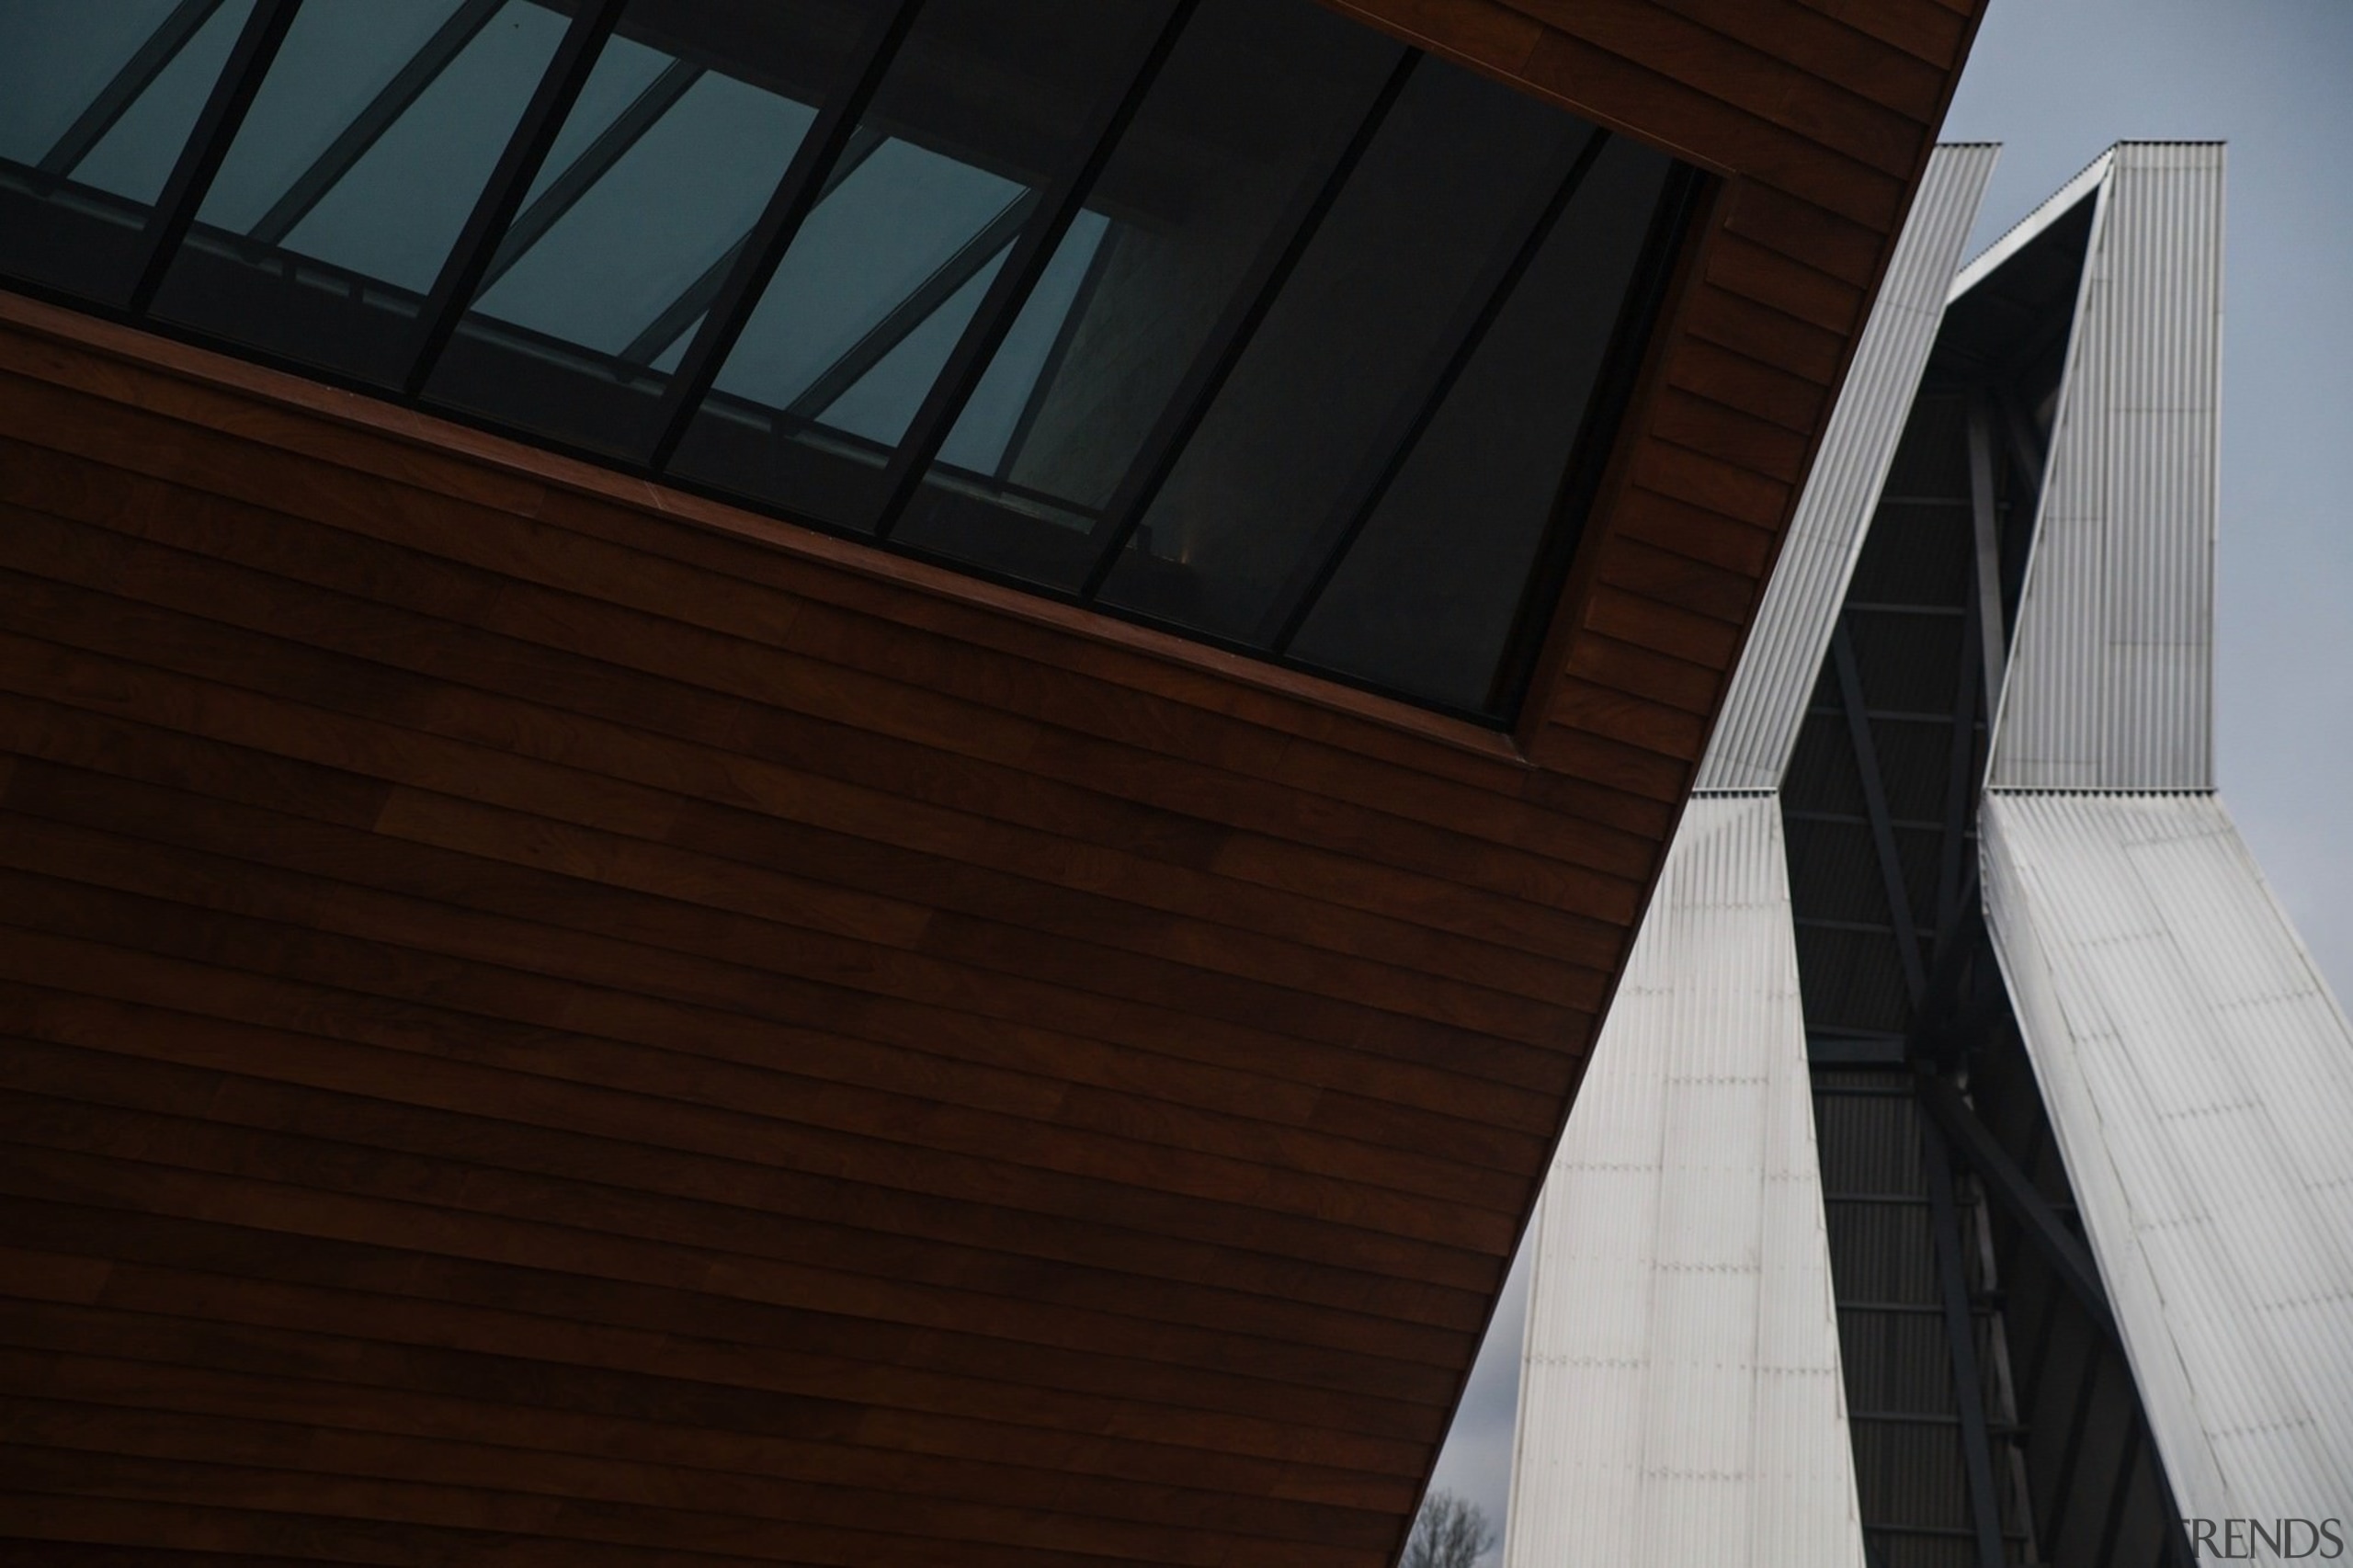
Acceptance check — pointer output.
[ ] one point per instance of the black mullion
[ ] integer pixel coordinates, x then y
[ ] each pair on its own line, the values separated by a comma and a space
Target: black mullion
122, 90
1969, 1390
1613, 391
1059, 203
368, 127
596, 161
1082, 300
901, 322
207, 144
1490, 291
695, 301
518, 164
1251, 302
691, 305
827, 146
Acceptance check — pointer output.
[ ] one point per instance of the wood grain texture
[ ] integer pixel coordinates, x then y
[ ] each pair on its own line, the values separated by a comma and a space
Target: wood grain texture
551, 1021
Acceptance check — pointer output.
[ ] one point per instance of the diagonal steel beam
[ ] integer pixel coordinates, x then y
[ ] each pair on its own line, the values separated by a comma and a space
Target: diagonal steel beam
1993, 643
1960, 782
368, 127
2117, 1492
1960, 1335
2009, 1185
2071, 1445
1891, 865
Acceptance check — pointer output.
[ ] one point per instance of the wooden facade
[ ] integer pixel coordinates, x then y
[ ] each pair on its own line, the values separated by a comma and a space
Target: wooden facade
552, 1021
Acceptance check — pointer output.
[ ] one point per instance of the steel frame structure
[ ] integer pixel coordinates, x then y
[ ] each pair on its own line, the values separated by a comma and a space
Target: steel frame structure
1997, 597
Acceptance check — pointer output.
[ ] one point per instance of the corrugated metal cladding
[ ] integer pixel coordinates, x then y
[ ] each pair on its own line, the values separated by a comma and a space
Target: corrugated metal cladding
2110, 677
1681, 1395
1751, 746
1680, 1400
2199, 1081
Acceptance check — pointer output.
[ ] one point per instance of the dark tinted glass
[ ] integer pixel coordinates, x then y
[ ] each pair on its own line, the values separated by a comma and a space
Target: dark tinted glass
1428, 594
676, 144
1446, 196
1219, 169
364, 151
988, 104
96, 101
1230, 315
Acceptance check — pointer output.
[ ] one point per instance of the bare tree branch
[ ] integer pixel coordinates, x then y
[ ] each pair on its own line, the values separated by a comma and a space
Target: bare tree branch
1449, 1532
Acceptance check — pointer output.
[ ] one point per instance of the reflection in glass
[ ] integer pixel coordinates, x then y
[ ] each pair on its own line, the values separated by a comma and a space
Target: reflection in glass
677, 142
1234, 316
364, 153
1451, 187
1428, 593
986, 106
96, 101
881, 280
1217, 171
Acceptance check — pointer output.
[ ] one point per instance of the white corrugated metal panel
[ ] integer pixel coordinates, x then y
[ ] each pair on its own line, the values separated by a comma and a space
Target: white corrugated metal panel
1680, 1401
1753, 739
2199, 1082
2110, 675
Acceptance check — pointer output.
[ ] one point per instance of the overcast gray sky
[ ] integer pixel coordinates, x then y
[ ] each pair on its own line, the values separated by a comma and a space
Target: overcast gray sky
2055, 82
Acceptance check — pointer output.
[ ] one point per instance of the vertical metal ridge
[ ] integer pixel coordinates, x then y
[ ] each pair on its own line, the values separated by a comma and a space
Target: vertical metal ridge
2199, 1079
1681, 1399
1762, 712
2110, 683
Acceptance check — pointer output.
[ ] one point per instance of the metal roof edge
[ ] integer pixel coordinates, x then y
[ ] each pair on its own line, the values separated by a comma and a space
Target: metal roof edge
2057, 205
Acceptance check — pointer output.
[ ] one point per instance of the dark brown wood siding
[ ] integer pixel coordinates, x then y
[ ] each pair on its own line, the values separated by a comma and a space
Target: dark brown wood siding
551, 1021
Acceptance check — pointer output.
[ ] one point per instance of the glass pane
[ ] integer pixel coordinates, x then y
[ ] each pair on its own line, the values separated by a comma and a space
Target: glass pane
881, 280
56, 57
96, 101
987, 104
1450, 191
1245, 123
985, 431
364, 153
1430, 593
678, 141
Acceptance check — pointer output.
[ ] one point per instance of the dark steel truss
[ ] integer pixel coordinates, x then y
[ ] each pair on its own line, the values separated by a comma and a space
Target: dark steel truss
1940, 1166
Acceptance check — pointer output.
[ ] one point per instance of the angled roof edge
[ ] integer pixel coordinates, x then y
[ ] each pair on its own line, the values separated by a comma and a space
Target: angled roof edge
2057, 205
1758, 727
2108, 690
